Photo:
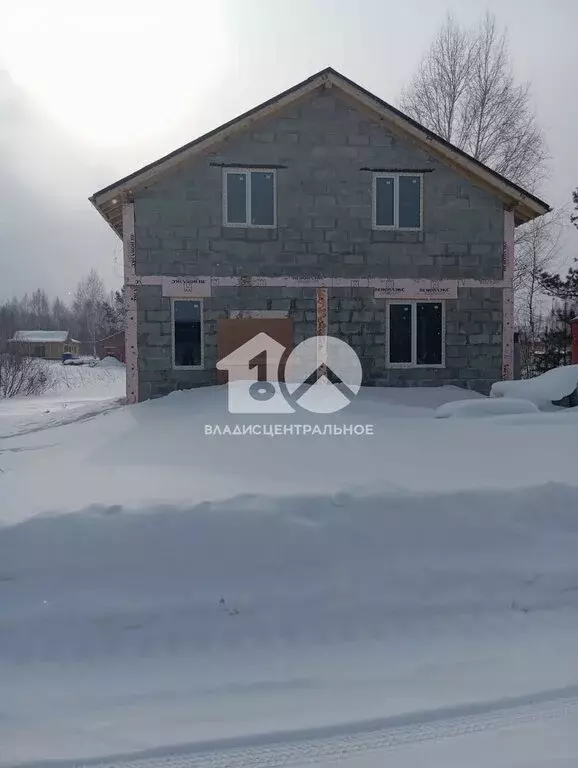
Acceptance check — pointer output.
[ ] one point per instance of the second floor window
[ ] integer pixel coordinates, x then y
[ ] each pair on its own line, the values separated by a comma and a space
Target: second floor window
249, 198
397, 201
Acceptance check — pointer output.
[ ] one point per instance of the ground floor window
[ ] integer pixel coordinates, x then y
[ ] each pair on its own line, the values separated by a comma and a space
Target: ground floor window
40, 351
187, 333
415, 335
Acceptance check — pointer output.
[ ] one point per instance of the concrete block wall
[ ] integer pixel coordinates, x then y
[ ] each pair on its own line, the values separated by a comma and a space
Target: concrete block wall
473, 335
324, 210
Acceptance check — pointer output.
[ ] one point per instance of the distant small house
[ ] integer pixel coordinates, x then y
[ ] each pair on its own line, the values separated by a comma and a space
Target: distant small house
111, 346
48, 344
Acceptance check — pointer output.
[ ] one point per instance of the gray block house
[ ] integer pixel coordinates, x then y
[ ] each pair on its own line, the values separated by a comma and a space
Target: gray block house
323, 211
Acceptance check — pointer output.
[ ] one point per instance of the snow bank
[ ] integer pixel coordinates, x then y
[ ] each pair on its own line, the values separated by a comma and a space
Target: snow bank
485, 407
258, 570
74, 393
126, 630
161, 449
549, 387
110, 362
90, 381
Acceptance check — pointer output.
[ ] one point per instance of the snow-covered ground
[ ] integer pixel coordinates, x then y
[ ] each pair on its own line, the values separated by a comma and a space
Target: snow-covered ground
407, 597
73, 392
550, 386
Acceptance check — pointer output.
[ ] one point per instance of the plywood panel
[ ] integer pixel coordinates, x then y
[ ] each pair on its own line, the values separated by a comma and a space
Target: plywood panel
233, 333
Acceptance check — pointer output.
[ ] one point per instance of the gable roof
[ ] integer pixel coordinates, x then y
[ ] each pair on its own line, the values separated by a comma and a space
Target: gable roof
41, 337
108, 201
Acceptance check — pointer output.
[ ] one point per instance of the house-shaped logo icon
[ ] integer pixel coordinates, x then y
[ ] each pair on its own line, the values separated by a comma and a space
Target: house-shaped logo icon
246, 390
240, 365
306, 369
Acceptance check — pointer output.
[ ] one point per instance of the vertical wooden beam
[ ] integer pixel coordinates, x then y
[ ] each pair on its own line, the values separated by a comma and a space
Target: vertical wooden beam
508, 297
322, 325
130, 299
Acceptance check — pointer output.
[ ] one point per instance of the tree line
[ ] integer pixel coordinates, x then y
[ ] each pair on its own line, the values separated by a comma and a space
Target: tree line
92, 313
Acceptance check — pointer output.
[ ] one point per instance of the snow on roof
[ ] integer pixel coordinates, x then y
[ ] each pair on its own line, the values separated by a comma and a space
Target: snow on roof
40, 336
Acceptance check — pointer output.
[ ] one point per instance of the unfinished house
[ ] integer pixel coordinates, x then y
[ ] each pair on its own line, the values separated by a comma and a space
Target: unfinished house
323, 211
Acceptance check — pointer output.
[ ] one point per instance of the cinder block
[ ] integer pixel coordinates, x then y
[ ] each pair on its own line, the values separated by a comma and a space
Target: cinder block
325, 222
157, 316
357, 140
154, 363
380, 139
470, 261
353, 258
312, 235
306, 259
263, 137
287, 137
481, 249
458, 340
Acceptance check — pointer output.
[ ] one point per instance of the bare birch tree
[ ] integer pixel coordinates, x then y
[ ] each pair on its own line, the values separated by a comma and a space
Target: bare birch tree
464, 90
89, 306
537, 246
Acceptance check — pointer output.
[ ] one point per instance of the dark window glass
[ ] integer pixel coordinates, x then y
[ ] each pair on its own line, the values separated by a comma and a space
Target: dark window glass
429, 333
409, 201
400, 333
236, 198
262, 197
384, 201
187, 330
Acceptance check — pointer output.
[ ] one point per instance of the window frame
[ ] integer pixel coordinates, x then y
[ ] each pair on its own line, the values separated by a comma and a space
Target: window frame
395, 176
414, 363
247, 171
199, 301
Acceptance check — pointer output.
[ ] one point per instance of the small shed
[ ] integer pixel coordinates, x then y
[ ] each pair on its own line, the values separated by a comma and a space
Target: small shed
111, 346
50, 345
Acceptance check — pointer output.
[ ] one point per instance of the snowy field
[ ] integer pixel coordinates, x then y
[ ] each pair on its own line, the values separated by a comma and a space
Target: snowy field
402, 598
73, 391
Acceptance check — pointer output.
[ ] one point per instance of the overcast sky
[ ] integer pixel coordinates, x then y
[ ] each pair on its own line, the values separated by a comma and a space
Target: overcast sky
91, 91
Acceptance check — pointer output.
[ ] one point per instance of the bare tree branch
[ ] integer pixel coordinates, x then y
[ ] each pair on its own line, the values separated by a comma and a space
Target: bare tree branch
464, 90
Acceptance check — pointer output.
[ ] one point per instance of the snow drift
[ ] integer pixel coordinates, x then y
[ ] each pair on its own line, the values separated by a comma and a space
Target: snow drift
262, 570
110, 362
549, 387
127, 630
485, 407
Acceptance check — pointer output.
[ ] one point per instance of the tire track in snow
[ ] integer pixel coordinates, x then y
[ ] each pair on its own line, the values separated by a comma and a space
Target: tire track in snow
333, 743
